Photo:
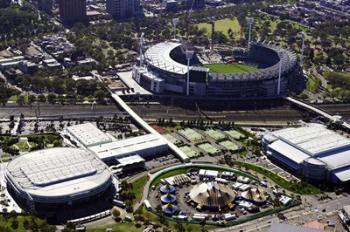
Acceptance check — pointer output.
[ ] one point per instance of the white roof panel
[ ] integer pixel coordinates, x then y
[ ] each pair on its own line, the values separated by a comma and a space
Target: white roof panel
343, 175
313, 138
289, 151
88, 134
127, 146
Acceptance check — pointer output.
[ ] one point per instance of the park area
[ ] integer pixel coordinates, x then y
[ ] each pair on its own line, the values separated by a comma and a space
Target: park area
230, 68
223, 25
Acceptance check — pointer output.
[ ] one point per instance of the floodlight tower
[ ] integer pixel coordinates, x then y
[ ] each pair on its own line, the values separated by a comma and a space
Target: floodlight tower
280, 55
250, 22
302, 50
141, 49
189, 54
175, 21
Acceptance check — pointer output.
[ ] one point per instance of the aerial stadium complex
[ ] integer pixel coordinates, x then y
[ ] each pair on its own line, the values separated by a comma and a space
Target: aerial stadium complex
311, 151
57, 177
172, 67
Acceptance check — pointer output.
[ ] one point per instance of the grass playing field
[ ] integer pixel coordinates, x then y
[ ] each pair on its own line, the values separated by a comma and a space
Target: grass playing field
230, 68
223, 25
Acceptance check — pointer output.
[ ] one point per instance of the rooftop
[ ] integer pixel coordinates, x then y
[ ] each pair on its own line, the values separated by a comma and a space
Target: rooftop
57, 172
128, 146
313, 138
88, 134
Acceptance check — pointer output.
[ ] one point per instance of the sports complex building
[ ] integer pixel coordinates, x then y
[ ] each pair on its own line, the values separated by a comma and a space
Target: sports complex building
163, 70
311, 151
56, 177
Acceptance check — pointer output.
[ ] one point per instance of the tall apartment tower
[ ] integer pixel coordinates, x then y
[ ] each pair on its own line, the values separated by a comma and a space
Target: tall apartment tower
123, 9
72, 11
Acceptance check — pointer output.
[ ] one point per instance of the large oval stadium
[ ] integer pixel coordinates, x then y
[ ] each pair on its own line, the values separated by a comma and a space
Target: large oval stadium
242, 73
55, 177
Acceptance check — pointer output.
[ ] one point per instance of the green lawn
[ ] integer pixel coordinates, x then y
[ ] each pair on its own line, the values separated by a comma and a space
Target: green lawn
313, 83
22, 145
223, 25
230, 68
125, 226
137, 187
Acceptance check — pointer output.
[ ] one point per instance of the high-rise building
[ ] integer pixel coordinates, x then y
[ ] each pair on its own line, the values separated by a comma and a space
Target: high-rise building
123, 9
72, 11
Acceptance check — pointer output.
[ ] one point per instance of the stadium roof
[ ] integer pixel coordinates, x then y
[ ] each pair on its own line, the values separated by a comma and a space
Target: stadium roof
57, 172
159, 56
289, 151
313, 138
88, 134
135, 145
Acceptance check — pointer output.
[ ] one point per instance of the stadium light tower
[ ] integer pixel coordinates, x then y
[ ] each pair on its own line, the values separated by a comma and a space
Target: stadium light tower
280, 55
189, 54
175, 21
302, 50
141, 49
250, 21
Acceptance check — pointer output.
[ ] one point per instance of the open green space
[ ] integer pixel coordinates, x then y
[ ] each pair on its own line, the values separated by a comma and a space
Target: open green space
235, 134
123, 226
229, 145
210, 149
172, 139
223, 25
230, 68
189, 151
215, 134
313, 83
14, 223
137, 187
191, 135
22, 146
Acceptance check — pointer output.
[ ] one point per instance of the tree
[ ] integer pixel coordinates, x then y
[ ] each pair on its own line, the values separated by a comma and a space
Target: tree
100, 96
51, 98
42, 98
20, 100
31, 99
14, 224
115, 212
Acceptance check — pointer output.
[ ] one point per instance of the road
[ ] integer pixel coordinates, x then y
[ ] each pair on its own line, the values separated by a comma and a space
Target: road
309, 211
58, 110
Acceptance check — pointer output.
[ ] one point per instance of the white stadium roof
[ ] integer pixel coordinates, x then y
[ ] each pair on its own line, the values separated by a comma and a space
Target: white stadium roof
289, 151
159, 56
88, 134
313, 138
57, 173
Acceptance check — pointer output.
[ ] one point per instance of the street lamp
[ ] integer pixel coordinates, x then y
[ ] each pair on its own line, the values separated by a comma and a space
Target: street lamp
250, 21
189, 54
280, 55
175, 21
302, 50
